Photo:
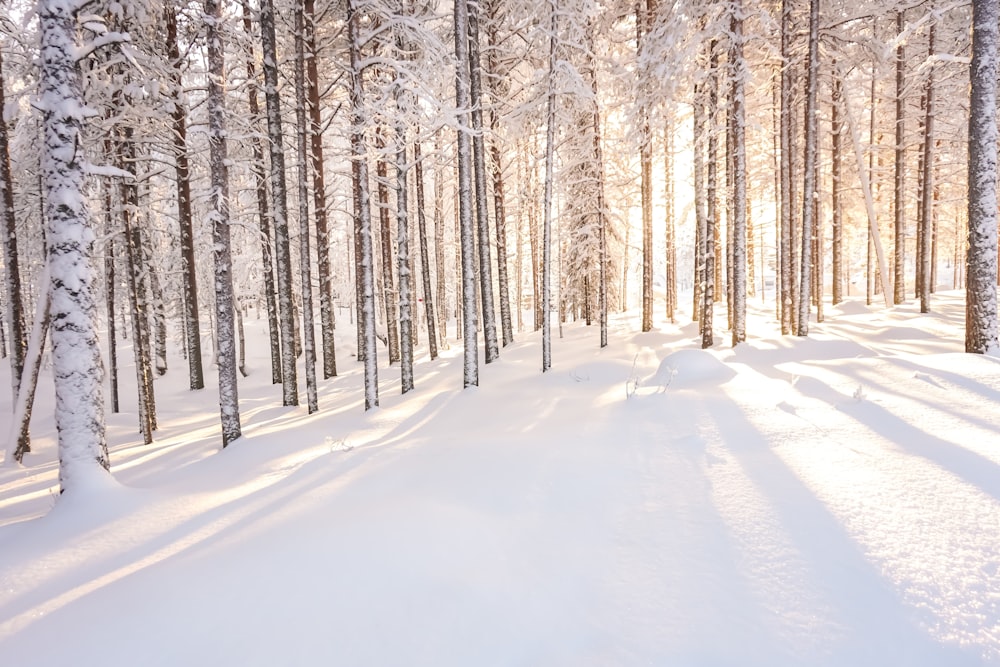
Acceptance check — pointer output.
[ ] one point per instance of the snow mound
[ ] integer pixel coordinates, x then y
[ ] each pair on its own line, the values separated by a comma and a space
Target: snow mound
690, 369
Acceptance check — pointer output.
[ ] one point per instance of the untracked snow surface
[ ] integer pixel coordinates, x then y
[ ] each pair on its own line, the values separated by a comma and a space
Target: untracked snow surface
825, 501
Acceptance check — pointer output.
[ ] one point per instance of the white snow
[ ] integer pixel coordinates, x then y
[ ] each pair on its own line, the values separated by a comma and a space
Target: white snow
825, 501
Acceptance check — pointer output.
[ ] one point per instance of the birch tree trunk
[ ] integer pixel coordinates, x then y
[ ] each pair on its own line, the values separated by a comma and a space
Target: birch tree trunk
8, 233
78, 369
739, 222
927, 188
305, 256
263, 212
981, 288
219, 215
286, 314
182, 175
809, 169
326, 306
835, 189
425, 261
899, 255
643, 11
481, 193
786, 275
365, 274
465, 211
406, 327
550, 131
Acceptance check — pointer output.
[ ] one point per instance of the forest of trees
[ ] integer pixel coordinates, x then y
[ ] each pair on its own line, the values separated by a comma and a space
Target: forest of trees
425, 173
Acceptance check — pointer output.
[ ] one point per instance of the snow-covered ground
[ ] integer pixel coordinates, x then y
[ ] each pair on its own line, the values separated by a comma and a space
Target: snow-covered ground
825, 501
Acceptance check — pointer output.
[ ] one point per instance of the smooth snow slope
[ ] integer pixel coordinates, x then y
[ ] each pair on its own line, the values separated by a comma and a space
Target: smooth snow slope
824, 501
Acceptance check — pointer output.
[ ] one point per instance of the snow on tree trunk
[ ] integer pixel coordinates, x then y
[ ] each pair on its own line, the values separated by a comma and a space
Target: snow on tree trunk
362, 211
981, 289
305, 256
425, 262
326, 307
272, 100
470, 323
498, 85
899, 266
835, 189
192, 328
263, 213
8, 229
481, 193
739, 222
809, 168
403, 259
925, 272
786, 276
643, 18
77, 367
550, 132
219, 215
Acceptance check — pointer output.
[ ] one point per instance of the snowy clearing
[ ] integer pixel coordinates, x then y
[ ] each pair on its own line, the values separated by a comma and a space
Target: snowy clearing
824, 501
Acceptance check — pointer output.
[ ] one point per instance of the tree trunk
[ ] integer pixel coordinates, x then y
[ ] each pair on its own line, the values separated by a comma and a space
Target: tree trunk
425, 262
305, 254
439, 262
499, 207
182, 171
482, 207
21, 422
326, 306
899, 256
550, 131
264, 216
138, 306
272, 100
362, 213
711, 221
8, 233
403, 254
644, 10
835, 190
465, 211
927, 214
78, 370
787, 277
739, 221
109, 289
981, 288
219, 215
809, 169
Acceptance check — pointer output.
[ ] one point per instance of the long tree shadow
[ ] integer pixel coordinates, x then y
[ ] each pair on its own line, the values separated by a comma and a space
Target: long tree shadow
878, 627
964, 463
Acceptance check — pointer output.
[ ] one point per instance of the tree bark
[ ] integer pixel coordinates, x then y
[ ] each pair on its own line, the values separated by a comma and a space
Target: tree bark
362, 213
981, 288
182, 172
899, 255
809, 169
219, 215
326, 306
78, 370
272, 101
482, 207
470, 323
425, 261
305, 254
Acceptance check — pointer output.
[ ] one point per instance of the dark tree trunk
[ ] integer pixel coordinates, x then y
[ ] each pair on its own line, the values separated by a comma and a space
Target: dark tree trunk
286, 313
182, 171
263, 214
489, 324
425, 260
326, 306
